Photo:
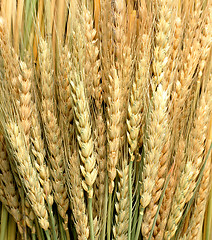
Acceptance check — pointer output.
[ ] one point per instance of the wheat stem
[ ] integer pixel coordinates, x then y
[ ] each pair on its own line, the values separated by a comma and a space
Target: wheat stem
109, 216
4, 219
130, 200
90, 214
140, 219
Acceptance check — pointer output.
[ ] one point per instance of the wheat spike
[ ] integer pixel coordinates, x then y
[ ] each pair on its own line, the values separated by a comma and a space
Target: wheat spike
53, 134
113, 126
8, 186
179, 200
123, 60
197, 217
135, 105
27, 173
150, 211
156, 129
100, 144
84, 135
38, 150
164, 12
78, 198
25, 100
122, 205
92, 62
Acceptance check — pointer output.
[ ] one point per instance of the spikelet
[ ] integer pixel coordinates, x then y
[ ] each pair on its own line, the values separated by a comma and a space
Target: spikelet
53, 134
156, 129
78, 198
84, 134
122, 205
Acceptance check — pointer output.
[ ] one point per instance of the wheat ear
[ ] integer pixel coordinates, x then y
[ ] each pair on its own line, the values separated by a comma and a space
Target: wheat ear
53, 134
197, 139
10, 60
92, 62
113, 126
123, 61
135, 107
85, 140
164, 12
25, 100
150, 211
197, 217
78, 199
154, 135
179, 200
38, 150
122, 205
194, 158
27, 173
167, 201
8, 186
84, 135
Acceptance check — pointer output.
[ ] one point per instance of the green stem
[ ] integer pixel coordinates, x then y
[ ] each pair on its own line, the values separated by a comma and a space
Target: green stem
90, 215
67, 235
52, 221
11, 229
62, 231
33, 236
109, 216
209, 219
47, 235
139, 223
104, 212
4, 219
130, 200
135, 218
39, 231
